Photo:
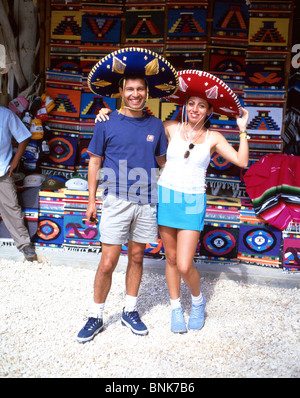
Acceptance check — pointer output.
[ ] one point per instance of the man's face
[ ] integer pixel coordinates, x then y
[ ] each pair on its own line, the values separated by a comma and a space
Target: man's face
135, 93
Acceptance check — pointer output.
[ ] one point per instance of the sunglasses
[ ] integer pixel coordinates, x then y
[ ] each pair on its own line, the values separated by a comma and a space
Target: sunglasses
187, 153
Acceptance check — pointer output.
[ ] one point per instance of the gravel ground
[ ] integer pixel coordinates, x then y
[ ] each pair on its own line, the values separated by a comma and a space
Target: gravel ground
250, 330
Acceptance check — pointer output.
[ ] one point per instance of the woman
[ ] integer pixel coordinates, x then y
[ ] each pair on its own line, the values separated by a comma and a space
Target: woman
182, 198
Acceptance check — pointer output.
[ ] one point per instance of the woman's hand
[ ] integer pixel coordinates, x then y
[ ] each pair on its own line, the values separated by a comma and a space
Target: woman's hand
243, 121
103, 115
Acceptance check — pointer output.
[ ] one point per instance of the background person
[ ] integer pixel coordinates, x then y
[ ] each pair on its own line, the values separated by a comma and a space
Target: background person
12, 127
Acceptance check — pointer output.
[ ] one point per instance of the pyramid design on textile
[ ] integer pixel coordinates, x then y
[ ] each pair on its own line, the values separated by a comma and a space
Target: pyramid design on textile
145, 27
229, 65
170, 111
63, 104
68, 27
93, 107
100, 26
268, 34
186, 24
263, 122
234, 19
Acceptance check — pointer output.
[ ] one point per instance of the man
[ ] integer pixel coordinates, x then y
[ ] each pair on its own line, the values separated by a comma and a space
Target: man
129, 143
10, 210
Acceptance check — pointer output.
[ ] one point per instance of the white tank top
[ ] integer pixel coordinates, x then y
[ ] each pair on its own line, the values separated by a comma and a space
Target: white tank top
186, 175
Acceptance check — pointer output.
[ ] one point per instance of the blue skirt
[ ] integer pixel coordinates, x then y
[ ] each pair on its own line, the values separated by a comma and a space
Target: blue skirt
180, 210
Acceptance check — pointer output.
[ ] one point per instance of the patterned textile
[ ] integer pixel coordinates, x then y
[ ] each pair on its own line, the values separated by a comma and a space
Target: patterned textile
268, 32
152, 107
152, 249
170, 111
144, 25
67, 102
65, 62
83, 153
92, 103
219, 243
79, 233
274, 187
66, 25
265, 120
218, 182
291, 254
184, 59
259, 245
248, 215
263, 73
224, 212
63, 149
105, 27
50, 231
291, 248
63, 79
64, 124
219, 165
186, 34
218, 240
230, 23
51, 221
186, 23
230, 68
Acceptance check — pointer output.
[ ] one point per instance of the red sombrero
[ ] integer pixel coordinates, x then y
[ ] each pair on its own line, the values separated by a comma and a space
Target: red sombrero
209, 87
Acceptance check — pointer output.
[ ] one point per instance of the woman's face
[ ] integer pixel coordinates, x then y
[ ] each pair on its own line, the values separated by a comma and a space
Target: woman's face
197, 109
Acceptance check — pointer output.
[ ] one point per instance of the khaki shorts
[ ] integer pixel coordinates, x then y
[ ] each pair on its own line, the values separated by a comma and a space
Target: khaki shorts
122, 220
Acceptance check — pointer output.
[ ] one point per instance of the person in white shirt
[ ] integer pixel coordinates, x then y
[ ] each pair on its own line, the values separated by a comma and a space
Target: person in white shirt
12, 127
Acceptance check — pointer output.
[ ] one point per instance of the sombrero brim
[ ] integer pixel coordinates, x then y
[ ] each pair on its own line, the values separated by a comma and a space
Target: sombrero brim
160, 75
209, 87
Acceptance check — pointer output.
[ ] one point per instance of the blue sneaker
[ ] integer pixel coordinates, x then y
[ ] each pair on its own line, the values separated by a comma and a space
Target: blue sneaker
177, 321
196, 320
133, 322
90, 329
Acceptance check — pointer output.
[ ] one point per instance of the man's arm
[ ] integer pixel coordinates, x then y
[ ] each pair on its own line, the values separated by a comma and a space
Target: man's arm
161, 161
15, 160
93, 181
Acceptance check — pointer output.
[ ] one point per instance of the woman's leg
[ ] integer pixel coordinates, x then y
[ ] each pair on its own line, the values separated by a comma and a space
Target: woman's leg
186, 246
169, 238
187, 242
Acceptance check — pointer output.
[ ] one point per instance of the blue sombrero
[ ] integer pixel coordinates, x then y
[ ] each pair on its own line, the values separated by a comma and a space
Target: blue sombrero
160, 75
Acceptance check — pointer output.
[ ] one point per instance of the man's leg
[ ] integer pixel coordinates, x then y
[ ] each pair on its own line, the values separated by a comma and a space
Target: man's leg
135, 267
13, 219
109, 260
130, 316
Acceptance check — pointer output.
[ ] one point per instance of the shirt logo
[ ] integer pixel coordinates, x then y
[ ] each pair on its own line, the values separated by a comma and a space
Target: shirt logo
150, 138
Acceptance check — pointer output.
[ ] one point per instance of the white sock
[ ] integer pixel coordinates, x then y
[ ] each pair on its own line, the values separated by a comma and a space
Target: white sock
175, 303
97, 310
130, 303
197, 300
